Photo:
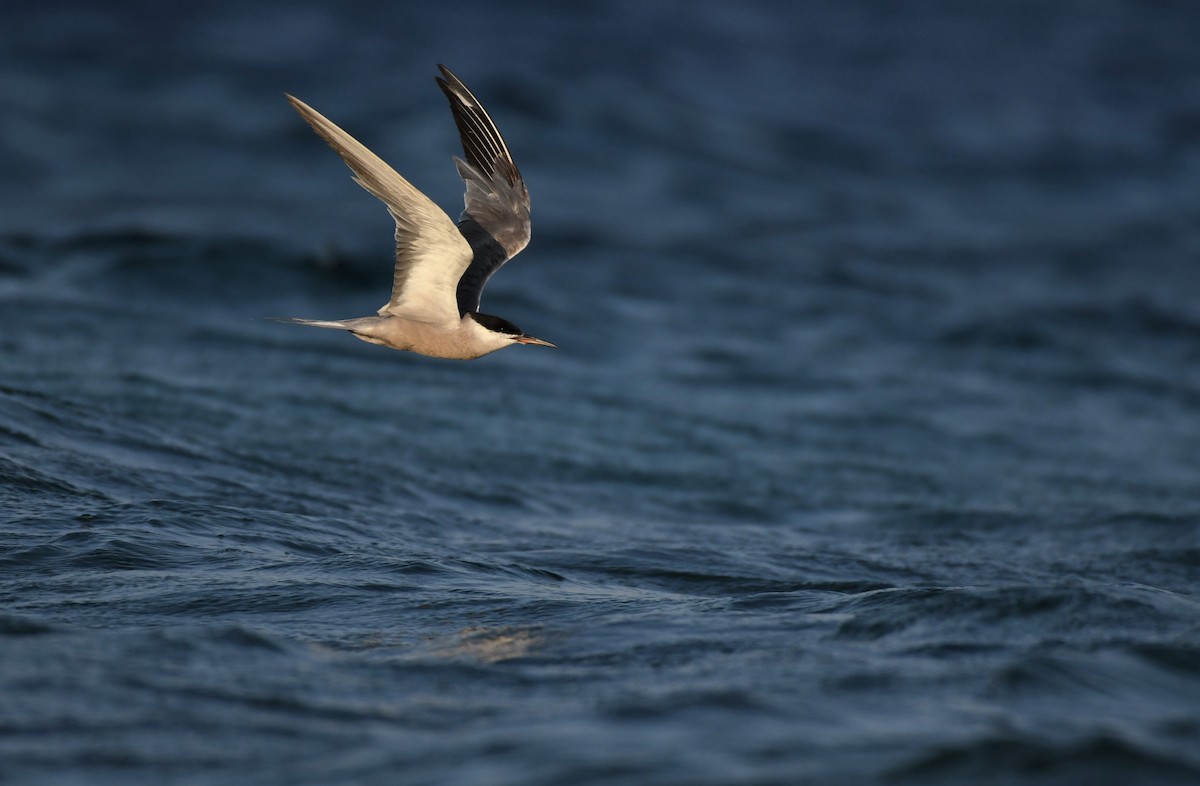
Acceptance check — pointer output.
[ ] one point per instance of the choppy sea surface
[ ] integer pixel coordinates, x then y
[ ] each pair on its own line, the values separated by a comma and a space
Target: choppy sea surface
870, 453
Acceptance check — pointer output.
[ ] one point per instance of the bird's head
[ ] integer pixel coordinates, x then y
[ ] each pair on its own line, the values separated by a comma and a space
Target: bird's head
506, 331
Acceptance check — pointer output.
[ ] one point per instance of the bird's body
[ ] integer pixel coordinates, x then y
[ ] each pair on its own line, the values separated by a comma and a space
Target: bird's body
441, 268
466, 340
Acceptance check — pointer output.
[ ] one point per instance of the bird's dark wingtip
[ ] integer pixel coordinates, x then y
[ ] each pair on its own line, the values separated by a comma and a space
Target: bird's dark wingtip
443, 81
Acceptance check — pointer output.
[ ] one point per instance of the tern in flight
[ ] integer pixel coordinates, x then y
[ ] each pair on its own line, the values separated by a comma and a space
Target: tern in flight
441, 268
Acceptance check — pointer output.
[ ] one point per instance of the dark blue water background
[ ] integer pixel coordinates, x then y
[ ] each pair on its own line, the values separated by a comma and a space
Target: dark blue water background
870, 453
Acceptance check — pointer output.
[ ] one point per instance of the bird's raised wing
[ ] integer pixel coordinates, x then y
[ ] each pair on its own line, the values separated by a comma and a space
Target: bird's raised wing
495, 220
431, 253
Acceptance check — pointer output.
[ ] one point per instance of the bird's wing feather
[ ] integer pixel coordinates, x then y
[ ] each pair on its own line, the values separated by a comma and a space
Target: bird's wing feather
431, 253
495, 219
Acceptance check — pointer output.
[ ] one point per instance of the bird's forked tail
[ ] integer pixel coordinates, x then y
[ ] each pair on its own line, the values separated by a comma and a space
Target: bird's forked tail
335, 324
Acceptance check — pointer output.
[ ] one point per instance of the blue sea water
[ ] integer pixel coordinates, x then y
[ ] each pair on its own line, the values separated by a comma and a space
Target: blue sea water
869, 453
